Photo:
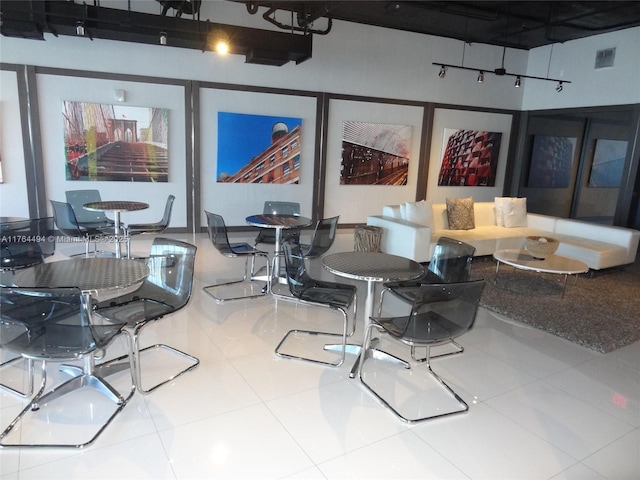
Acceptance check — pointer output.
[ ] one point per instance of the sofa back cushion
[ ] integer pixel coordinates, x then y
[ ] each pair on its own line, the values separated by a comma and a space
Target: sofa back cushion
391, 211
419, 212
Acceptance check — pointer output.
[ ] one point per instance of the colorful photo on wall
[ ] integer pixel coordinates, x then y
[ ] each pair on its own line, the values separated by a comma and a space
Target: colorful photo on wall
551, 162
470, 158
258, 148
375, 154
115, 142
608, 163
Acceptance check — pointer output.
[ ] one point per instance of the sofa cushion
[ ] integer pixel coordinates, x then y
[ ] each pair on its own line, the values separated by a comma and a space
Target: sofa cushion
419, 212
391, 211
460, 213
498, 204
514, 212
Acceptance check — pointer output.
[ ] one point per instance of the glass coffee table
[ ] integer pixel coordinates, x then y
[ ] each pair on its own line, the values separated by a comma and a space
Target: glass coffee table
556, 264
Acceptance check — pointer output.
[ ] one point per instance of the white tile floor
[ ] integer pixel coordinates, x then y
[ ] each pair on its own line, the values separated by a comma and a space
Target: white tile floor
540, 407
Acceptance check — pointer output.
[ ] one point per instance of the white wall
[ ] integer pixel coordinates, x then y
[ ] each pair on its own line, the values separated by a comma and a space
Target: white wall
575, 61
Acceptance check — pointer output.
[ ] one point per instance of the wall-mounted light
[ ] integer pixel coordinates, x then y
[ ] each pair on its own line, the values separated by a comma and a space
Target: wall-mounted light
119, 95
480, 76
163, 38
559, 87
518, 82
80, 29
443, 71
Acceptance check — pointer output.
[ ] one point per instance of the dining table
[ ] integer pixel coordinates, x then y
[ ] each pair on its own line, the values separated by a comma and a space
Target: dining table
279, 223
116, 207
373, 268
100, 277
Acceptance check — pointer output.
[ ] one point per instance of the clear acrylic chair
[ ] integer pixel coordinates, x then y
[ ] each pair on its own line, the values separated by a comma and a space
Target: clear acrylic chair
55, 325
220, 239
451, 262
166, 290
272, 207
66, 222
322, 238
146, 228
440, 313
306, 290
87, 218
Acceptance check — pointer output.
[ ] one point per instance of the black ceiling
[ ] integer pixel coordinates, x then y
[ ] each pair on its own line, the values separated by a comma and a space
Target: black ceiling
515, 24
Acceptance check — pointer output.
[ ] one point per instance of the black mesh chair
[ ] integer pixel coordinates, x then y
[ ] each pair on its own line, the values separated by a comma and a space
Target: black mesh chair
218, 235
323, 236
268, 235
155, 228
166, 290
66, 222
451, 262
87, 218
55, 325
440, 313
312, 292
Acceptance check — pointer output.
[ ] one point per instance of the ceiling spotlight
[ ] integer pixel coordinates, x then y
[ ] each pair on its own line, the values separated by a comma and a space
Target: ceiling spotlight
443, 71
518, 82
559, 87
163, 38
80, 29
480, 76
222, 47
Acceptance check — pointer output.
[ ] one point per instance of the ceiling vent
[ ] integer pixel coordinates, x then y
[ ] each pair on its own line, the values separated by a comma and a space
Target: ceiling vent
605, 58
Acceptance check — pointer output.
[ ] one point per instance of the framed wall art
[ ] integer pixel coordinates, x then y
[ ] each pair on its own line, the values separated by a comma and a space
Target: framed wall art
115, 142
375, 153
470, 158
608, 163
551, 161
258, 148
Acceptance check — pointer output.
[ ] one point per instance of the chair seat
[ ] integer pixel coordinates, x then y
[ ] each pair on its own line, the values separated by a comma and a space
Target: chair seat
430, 328
332, 294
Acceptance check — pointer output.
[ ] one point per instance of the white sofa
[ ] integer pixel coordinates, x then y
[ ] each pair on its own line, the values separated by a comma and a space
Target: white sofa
599, 246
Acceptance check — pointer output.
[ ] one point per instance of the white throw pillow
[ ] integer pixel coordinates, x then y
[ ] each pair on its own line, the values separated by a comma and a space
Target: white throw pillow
391, 211
499, 206
515, 212
419, 212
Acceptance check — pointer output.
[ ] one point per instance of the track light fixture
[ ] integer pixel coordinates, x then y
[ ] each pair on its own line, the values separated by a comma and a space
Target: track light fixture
443, 72
80, 29
163, 38
501, 72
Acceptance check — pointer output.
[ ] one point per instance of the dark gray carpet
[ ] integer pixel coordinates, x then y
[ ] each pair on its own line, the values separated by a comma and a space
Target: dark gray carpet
601, 312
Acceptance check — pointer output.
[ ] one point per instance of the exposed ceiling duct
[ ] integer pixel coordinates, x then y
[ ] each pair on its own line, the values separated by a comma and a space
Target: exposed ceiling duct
32, 19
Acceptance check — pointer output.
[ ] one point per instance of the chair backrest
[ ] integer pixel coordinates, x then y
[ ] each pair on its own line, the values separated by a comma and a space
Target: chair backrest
28, 245
50, 323
323, 237
451, 260
281, 208
65, 219
166, 289
297, 277
171, 266
77, 198
442, 311
218, 233
166, 218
